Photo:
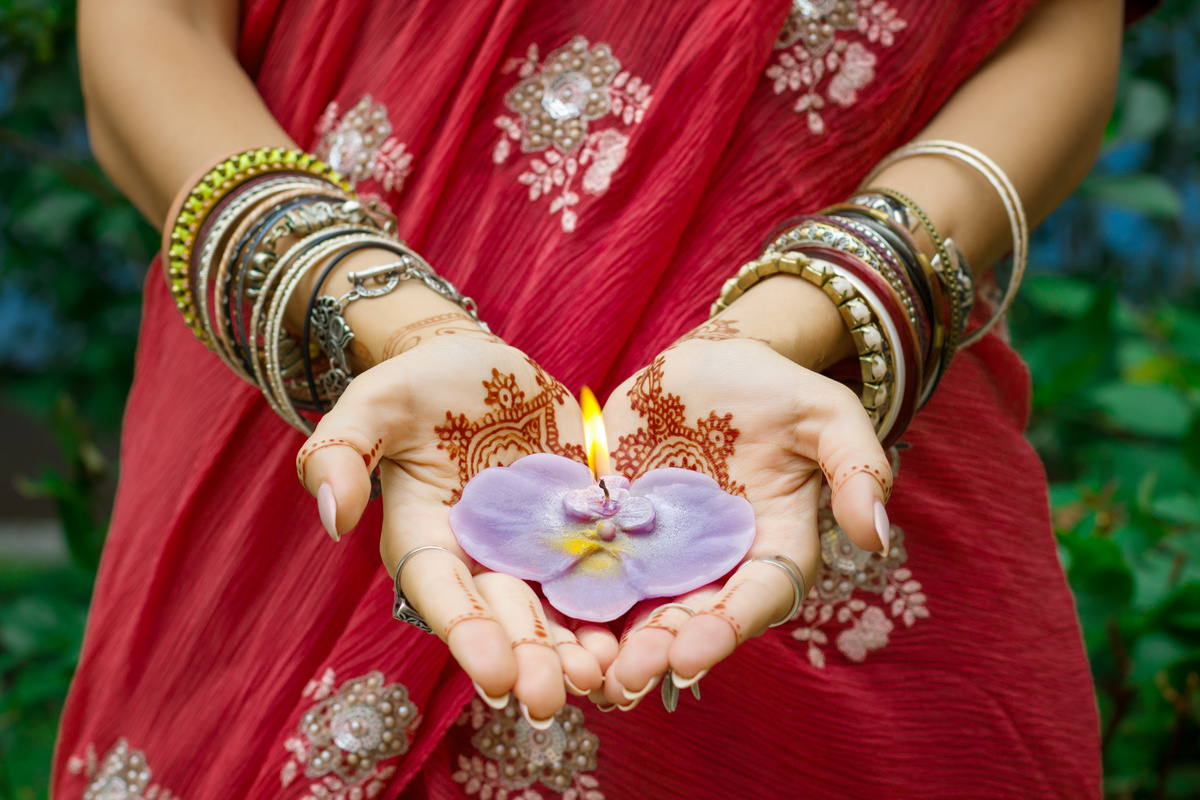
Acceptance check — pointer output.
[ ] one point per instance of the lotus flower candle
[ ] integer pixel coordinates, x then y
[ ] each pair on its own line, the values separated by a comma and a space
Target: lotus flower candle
599, 545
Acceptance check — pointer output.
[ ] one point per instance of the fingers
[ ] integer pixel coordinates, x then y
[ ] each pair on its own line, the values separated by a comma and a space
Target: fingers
580, 667
758, 594
336, 462
842, 440
539, 685
645, 649
439, 586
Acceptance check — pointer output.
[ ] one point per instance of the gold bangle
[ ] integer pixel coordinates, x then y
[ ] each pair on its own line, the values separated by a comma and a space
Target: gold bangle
876, 351
212, 188
754, 271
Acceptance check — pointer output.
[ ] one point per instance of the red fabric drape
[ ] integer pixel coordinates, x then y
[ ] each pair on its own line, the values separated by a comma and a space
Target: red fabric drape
223, 614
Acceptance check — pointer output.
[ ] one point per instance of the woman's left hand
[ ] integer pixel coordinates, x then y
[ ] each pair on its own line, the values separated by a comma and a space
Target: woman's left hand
765, 428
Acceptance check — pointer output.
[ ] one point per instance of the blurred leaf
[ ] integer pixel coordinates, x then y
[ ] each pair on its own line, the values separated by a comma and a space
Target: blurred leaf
1155, 652
1144, 409
1144, 110
1061, 295
1149, 194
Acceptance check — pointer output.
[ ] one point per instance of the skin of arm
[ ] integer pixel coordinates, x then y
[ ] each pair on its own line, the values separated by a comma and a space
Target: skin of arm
215, 110
1037, 107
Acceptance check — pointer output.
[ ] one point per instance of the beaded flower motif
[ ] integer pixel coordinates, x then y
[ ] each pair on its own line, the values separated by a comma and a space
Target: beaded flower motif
558, 103
512, 758
864, 594
812, 60
360, 144
348, 734
123, 774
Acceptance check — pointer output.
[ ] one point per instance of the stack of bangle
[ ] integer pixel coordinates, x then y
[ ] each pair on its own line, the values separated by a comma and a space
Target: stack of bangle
243, 239
907, 312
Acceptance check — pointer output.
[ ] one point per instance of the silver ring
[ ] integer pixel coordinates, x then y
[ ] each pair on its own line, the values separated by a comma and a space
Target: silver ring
691, 612
799, 586
401, 609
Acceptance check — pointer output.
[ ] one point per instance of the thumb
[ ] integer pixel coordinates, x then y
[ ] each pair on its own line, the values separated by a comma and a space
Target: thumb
859, 476
336, 462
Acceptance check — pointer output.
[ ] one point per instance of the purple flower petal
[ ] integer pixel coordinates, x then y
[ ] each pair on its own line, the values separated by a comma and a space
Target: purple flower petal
545, 519
511, 519
700, 533
594, 591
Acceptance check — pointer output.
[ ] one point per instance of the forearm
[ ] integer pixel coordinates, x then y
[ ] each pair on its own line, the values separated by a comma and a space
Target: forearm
166, 98
1038, 108
165, 95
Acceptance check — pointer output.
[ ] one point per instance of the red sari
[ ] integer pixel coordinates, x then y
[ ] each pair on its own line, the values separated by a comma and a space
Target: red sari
234, 651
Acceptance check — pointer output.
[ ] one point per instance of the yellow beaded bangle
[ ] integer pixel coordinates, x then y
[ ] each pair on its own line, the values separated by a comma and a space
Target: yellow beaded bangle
216, 184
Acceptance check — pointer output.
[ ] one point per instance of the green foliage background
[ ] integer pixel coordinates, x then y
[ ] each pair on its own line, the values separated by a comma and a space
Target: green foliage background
1112, 336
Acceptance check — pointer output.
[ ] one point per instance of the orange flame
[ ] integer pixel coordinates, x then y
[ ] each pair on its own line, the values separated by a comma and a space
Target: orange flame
593, 434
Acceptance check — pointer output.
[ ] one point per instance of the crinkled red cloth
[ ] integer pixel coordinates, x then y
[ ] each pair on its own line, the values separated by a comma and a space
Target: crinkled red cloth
224, 615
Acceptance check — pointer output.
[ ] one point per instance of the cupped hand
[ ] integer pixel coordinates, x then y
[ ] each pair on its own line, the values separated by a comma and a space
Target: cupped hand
765, 428
454, 401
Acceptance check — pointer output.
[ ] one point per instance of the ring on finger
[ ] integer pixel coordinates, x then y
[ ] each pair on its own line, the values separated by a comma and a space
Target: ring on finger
655, 619
402, 609
799, 587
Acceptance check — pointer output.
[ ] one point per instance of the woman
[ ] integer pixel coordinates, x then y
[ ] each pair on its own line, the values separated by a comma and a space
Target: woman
232, 651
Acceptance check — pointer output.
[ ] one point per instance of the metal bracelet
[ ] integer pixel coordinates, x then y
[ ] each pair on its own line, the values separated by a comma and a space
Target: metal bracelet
333, 334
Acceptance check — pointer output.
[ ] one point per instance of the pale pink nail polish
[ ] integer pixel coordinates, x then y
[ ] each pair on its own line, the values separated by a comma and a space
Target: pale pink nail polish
635, 696
499, 703
683, 683
327, 508
883, 528
536, 724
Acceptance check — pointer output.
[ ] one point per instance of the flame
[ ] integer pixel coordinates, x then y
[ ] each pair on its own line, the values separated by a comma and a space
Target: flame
593, 434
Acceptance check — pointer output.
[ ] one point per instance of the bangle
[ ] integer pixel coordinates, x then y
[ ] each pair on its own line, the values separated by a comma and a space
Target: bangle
200, 199
873, 340
956, 320
215, 239
1018, 223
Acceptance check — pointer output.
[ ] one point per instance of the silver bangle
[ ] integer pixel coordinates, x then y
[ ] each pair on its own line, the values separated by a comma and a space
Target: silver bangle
333, 334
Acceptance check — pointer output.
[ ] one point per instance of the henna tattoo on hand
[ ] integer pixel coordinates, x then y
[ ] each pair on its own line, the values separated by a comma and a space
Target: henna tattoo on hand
515, 427
667, 440
451, 323
307, 451
715, 330
838, 481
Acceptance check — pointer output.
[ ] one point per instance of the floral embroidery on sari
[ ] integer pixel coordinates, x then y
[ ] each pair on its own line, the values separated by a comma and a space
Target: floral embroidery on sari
558, 104
512, 756
815, 61
860, 595
122, 774
348, 734
360, 145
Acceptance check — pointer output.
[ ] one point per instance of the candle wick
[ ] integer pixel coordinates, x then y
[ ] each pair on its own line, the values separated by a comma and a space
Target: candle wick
605, 490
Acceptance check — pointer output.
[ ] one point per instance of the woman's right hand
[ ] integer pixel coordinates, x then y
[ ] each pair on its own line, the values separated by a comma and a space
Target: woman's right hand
450, 401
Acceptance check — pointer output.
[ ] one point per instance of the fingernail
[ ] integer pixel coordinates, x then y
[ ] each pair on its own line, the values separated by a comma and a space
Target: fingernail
572, 688
683, 683
635, 696
629, 706
536, 724
499, 703
327, 508
883, 527
606, 707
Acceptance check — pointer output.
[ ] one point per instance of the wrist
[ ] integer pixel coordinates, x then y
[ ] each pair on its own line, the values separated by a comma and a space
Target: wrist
796, 318
377, 322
